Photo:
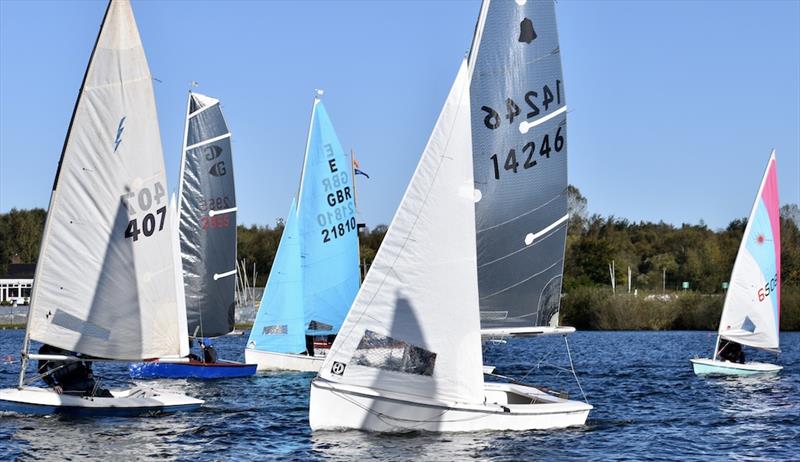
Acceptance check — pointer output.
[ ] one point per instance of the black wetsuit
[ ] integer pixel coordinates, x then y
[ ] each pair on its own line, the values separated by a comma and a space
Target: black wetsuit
74, 377
209, 354
731, 351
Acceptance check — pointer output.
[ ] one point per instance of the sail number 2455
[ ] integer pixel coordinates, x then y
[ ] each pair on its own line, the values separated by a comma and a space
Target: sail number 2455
142, 201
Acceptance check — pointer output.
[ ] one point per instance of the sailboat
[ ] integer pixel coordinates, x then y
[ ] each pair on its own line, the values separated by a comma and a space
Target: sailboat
752, 309
107, 283
408, 356
207, 207
315, 275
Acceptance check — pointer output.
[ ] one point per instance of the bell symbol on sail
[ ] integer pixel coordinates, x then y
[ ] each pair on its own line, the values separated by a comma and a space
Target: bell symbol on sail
526, 32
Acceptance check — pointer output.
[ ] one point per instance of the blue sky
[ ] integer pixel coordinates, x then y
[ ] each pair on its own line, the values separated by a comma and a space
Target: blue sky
674, 105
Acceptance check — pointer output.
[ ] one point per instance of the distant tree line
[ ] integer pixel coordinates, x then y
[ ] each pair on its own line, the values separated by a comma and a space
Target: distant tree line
660, 255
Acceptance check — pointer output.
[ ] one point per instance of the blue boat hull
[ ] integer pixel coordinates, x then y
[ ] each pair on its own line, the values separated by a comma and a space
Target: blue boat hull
191, 370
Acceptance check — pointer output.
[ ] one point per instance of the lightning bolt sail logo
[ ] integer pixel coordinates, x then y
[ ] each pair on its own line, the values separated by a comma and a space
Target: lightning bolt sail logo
120, 129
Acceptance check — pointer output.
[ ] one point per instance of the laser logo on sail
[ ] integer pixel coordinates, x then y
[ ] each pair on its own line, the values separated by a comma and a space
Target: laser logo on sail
120, 128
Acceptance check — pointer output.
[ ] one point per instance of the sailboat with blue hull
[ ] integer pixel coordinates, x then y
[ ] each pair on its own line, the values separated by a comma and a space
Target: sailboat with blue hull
315, 275
207, 230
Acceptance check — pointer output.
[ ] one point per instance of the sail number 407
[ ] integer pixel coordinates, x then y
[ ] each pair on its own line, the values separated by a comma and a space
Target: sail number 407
142, 201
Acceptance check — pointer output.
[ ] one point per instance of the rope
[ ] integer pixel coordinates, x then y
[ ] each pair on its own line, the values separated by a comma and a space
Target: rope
382, 417
572, 366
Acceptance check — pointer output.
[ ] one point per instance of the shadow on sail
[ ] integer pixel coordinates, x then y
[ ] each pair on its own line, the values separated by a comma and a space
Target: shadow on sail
117, 286
404, 350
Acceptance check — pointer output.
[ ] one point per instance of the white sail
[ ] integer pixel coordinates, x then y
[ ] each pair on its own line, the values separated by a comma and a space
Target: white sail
751, 315
106, 276
414, 327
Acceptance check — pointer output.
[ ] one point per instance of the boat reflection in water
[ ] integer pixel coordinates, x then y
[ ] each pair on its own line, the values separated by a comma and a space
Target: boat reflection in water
56, 438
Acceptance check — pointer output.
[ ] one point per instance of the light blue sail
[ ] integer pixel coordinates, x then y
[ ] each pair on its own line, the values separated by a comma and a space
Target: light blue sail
327, 216
279, 325
316, 271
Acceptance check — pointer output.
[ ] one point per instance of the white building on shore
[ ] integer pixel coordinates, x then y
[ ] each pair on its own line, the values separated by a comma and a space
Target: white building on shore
15, 286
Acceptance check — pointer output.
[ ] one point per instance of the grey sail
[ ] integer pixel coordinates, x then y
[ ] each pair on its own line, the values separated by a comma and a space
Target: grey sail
208, 219
519, 135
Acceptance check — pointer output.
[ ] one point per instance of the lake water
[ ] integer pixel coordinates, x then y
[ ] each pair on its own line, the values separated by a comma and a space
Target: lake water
648, 405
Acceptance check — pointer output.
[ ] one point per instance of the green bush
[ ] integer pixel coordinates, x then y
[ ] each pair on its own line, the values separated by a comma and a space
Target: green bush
596, 308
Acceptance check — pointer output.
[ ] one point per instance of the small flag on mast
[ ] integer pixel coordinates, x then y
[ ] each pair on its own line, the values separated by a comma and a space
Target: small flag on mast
357, 168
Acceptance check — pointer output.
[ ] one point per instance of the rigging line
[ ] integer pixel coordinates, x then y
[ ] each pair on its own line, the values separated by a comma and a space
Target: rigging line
420, 422
572, 366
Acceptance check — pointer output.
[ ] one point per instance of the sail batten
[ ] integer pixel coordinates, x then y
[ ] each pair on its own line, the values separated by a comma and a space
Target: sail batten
104, 283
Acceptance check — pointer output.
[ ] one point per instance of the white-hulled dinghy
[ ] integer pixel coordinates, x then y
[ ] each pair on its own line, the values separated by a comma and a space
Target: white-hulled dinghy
315, 275
751, 314
108, 278
408, 356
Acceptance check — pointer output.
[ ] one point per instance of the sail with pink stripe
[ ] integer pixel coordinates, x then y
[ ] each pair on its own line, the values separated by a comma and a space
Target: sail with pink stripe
751, 315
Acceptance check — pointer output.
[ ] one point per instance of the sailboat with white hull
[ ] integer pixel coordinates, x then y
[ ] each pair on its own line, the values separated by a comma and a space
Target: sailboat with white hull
207, 216
408, 356
315, 275
108, 284
751, 314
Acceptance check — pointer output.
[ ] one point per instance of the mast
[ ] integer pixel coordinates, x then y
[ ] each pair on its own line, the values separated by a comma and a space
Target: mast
317, 95
183, 156
53, 194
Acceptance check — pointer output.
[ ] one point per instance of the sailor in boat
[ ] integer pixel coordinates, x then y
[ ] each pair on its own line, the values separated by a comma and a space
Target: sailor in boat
209, 352
70, 377
731, 351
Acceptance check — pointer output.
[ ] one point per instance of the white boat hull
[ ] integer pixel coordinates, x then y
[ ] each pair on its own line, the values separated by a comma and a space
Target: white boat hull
131, 402
271, 361
703, 366
335, 406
